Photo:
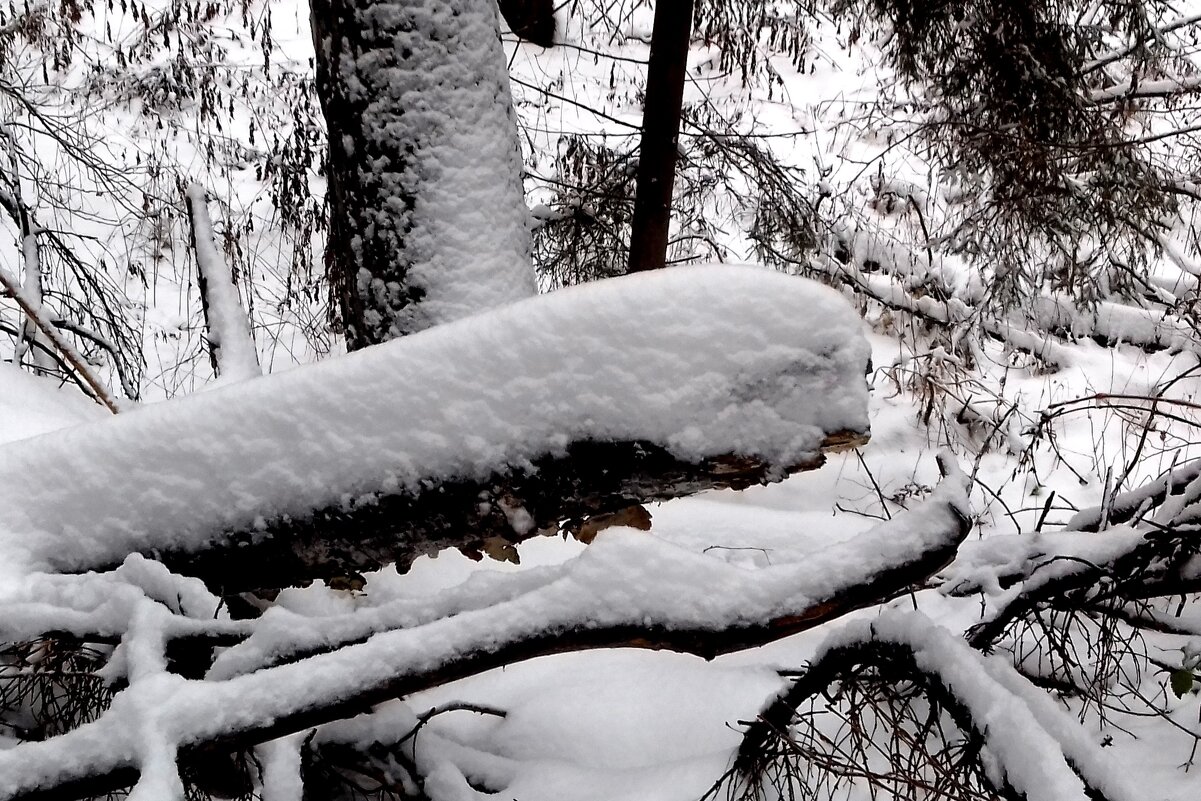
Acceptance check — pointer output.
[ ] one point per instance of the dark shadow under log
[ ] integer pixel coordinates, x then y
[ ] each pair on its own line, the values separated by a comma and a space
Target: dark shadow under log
530, 20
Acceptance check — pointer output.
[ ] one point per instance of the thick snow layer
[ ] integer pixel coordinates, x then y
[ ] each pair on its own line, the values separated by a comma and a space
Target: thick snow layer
702, 360
103, 604
30, 405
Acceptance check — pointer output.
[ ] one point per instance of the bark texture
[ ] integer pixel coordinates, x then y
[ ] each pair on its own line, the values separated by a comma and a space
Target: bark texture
660, 135
478, 518
427, 215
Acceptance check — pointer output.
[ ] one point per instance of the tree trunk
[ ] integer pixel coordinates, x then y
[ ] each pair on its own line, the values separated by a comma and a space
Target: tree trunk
428, 221
479, 518
531, 20
660, 134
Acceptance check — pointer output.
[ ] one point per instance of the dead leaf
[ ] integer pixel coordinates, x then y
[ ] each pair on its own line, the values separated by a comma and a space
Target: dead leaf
635, 516
501, 550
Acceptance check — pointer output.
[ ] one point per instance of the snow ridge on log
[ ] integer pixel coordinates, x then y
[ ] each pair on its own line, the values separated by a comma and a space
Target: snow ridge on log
744, 372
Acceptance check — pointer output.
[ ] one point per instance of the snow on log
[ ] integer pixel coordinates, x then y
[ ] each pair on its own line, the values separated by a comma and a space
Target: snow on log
1033, 749
626, 589
231, 347
577, 402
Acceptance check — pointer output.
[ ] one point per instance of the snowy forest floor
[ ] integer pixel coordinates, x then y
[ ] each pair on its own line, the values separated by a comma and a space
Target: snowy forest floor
627, 724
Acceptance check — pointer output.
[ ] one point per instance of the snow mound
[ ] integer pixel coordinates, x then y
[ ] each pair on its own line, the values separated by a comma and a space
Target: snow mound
30, 405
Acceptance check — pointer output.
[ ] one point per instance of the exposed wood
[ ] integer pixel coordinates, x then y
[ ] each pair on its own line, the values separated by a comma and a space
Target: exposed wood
591, 478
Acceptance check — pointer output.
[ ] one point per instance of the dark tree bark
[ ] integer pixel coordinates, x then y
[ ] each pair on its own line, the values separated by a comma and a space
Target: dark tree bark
660, 135
427, 215
531, 20
474, 516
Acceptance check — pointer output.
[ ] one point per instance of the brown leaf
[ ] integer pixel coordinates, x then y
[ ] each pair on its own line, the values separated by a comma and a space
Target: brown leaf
501, 550
635, 516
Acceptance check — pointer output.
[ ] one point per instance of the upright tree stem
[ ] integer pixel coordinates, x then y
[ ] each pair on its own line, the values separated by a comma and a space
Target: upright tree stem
660, 134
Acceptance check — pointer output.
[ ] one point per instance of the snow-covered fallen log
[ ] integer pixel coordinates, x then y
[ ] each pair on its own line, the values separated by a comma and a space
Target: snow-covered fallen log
627, 589
489, 428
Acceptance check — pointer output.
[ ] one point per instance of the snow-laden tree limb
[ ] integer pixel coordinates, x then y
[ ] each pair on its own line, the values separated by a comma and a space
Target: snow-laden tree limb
1035, 751
1134, 88
1138, 545
1127, 505
496, 426
627, 589
36, 314
231, 347
1101, 573
1039, 329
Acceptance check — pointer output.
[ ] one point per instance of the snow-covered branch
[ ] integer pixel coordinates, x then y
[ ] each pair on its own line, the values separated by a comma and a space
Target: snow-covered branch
231, 345
1074, 572
627, 589
36, 314
1035, 751
1131, 89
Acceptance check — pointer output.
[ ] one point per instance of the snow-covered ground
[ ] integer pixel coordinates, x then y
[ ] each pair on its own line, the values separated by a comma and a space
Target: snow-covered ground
612, 724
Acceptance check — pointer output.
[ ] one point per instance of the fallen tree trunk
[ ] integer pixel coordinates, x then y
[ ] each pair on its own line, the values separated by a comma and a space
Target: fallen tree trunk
477, 517
475, 434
